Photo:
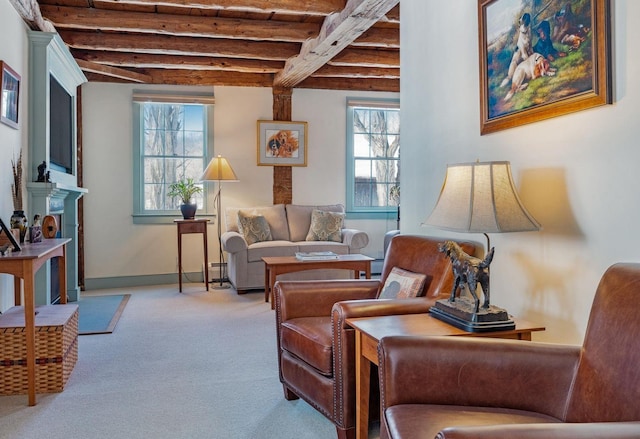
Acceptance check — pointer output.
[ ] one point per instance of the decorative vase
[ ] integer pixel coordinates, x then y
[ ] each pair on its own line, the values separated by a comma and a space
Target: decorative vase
19, 221
188, 210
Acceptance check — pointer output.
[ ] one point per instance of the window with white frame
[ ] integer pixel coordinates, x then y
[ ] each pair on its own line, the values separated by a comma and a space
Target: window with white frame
373, 158
172, 143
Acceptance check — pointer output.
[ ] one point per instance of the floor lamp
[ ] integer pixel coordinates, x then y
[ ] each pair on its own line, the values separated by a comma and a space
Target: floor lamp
219, 170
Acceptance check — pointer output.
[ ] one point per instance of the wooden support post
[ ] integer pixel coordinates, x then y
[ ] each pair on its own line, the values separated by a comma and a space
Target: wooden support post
282, 182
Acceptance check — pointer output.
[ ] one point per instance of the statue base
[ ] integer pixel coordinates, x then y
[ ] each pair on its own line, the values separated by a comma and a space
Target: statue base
461, 315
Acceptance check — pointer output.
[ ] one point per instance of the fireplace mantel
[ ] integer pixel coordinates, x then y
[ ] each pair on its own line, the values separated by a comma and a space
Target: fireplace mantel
50, 58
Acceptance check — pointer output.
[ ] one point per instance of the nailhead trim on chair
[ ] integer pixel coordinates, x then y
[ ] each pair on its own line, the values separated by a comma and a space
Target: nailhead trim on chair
338, 379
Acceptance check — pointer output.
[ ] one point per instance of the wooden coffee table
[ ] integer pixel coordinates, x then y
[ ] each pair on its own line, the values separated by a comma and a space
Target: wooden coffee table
370, 330
276, 265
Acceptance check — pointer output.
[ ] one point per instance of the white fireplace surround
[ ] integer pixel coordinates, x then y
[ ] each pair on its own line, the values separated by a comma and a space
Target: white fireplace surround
48, 56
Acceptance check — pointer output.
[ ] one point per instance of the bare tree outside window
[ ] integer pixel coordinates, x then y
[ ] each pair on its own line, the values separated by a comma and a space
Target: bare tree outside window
173, 150
376, 145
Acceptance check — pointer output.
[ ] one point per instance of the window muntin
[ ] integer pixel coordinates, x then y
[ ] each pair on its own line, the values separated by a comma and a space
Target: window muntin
174, 150
172, 143
373, 157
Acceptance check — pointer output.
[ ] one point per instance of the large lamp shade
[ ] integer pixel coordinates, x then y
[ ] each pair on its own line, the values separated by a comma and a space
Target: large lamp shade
219, 169
481, 197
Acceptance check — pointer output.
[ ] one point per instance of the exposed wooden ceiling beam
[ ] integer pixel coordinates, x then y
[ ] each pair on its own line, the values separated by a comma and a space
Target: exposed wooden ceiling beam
302, 7
356, 72
338, 31
115, 72
379, 37
210, 77
173, 45
144, 60
29, 10
175, 24
360, 84
367, 58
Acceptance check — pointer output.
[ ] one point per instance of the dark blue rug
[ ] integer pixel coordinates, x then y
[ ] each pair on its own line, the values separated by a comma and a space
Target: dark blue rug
100, 314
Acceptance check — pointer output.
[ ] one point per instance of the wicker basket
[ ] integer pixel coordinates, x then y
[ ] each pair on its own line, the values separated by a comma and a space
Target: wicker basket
56, 348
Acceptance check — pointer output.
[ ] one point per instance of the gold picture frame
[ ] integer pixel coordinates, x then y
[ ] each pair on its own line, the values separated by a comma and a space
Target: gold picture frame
9, 95
526, 76
282, 143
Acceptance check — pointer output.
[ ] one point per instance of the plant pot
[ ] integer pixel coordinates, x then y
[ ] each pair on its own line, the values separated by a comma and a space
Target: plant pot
188, 210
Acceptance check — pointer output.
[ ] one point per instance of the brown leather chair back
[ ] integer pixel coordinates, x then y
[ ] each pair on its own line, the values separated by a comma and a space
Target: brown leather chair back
607, 384
420, 254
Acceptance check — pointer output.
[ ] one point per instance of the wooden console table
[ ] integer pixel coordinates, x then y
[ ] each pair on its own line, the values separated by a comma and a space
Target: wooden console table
192, 226
24, 265
276, 265
370, 330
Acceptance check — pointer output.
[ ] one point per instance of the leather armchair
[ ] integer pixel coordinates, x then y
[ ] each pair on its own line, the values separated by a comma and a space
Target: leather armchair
316, 348
458, 387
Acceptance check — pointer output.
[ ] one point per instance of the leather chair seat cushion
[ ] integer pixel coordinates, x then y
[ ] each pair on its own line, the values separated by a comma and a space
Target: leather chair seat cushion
425, 421
309, 338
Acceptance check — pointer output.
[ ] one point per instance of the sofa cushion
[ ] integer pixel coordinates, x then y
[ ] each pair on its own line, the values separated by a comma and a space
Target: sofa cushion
254, 228
323, 246
275, 216
309, 338
255, 252
325, 226
299, 218
402, 284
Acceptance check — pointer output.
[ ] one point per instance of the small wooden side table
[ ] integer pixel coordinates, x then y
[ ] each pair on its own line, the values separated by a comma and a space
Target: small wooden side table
192, 226
23, 265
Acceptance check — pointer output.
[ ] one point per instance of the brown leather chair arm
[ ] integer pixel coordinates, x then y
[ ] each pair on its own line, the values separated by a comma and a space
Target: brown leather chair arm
379, 307
603, 430
294, 299
476, 371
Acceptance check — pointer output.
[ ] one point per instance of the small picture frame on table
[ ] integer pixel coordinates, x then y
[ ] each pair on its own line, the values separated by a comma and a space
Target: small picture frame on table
10, 237
35, 232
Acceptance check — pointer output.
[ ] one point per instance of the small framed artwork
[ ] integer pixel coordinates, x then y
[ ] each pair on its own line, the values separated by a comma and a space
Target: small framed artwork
541, 59
282, 143
10, 237
10, 82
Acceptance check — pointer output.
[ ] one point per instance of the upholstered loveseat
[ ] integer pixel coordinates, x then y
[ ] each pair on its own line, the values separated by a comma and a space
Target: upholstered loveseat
287, 233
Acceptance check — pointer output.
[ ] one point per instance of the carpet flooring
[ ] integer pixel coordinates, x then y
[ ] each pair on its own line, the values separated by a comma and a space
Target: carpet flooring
192, 365
100, 314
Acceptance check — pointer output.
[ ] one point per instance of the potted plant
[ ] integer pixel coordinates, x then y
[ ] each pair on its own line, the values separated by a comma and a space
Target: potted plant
185, 189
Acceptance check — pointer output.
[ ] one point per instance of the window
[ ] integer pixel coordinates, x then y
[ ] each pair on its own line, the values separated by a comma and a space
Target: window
373, 158
171, 142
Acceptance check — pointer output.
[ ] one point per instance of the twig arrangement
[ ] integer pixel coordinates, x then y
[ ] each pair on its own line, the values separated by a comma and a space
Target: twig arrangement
16, 187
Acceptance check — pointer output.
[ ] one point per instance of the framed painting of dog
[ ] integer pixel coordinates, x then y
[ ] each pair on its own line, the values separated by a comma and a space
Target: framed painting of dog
541, 59
282, 143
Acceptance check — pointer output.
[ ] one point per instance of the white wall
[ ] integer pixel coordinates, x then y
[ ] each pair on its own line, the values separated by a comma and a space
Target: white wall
115, 247
14, 51
577, 174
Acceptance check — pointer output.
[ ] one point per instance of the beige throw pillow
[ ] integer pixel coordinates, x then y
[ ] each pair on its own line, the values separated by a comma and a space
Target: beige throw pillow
254, 228
402, 284
325, 226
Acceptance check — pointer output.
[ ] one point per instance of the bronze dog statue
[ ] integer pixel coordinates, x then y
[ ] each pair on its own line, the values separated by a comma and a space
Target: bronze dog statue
470, 270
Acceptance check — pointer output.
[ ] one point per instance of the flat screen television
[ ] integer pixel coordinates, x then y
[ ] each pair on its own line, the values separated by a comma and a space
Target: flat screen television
60, 128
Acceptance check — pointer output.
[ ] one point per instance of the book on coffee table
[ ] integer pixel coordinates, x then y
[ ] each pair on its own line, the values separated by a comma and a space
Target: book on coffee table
316, 256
